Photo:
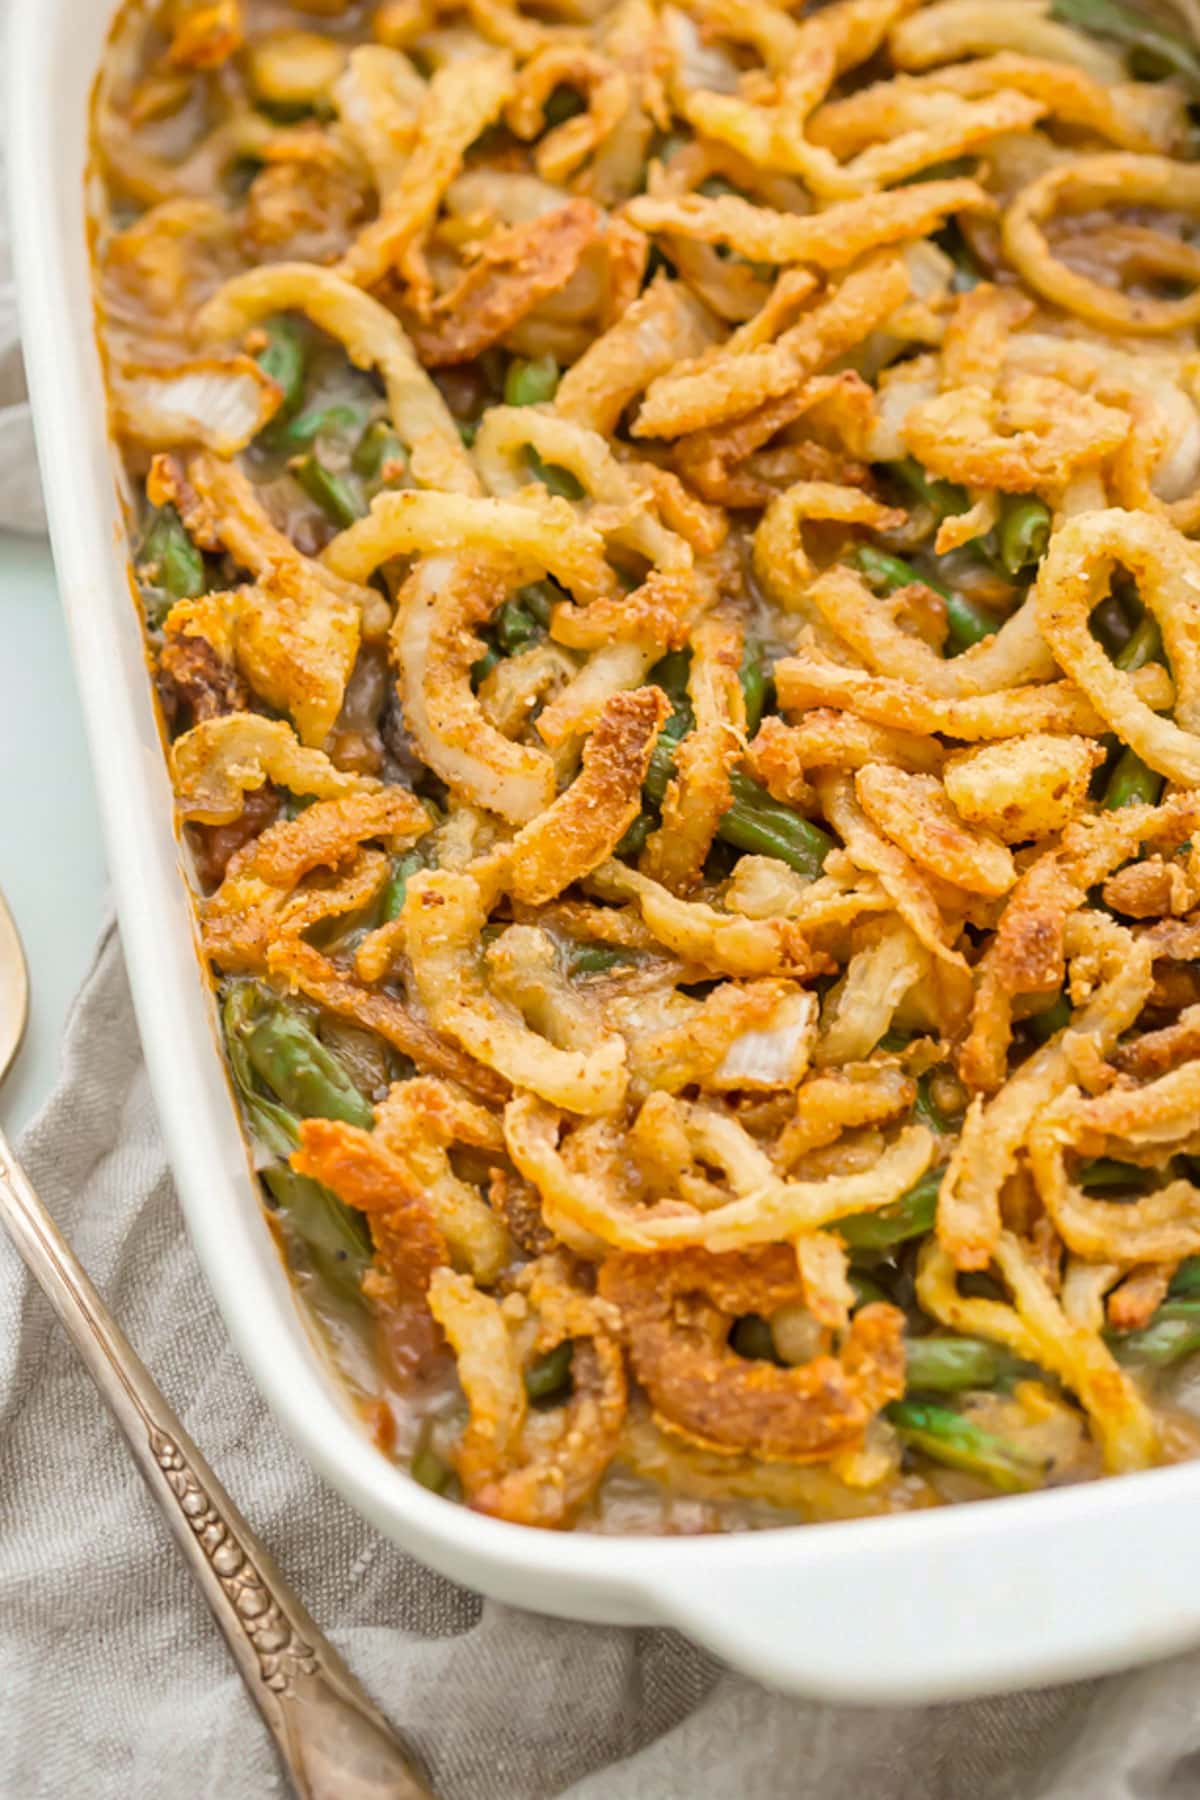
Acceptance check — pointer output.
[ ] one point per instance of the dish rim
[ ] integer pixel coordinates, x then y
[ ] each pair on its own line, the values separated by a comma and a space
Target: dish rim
870, 1633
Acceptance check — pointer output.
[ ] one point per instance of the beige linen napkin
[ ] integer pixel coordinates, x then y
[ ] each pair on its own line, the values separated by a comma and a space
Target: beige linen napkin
114, 1683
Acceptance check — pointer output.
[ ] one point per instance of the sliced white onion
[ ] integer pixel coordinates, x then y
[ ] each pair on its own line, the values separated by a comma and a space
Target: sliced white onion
220, 402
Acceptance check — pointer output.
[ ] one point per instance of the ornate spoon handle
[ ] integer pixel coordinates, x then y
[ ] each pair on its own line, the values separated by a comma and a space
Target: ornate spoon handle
333, 1741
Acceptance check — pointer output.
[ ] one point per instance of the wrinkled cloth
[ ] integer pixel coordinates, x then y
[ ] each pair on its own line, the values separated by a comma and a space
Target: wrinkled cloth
114, 1683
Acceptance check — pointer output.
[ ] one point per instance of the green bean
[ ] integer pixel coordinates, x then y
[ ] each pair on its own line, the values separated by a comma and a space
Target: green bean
1132, 783
945, 498
548, 1376
1051, 1019
284, 360
481, 669
289, 1058
1185, 1283
338, 1240
634, 840
1173, 1332
947, 1365
762, 826
866, 1291
949, 1437
179, 565
318, 421
563, 103
515, 629
530, 383
468, 430
556, 480
1144, 645
927, 1109
912, 1215
595, 959
670, 673
661, 767
392, 902
1103, 1175
1110, 626
751, 1337
378, 449
1023, 534
966, 622
1153, 50
334, 494
429, 1469
756, 678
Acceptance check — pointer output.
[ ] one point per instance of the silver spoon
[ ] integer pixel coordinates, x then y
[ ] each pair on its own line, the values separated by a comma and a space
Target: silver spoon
334, 1744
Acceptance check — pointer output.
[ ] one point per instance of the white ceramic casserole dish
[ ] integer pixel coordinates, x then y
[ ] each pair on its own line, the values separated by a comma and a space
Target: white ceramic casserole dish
927, 1606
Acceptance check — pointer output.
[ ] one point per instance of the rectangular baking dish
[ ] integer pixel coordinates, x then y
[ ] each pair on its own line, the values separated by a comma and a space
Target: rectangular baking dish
929, 1606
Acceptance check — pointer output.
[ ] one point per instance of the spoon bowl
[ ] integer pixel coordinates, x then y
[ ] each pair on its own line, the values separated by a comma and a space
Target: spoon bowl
14, 990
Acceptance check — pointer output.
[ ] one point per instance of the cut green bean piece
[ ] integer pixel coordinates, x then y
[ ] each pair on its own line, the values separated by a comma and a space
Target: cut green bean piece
949, 1365
757, 823
289, 1058
1103, 1175
1154, 51
927, 1109
1173, 1333
949, 1437
966, 622
338, 1240
283, 359
377, 450
558, 481
945, 497
337, 495
319, 421
596, 959
428, 1468
1185, 1283
866, 1291
1023, 534
1132, 783
756, 679
531, 383
912, 1215
1143, 645
548, 1376
752, 1338
392, 903
634, 840
1051, 1019
180, 565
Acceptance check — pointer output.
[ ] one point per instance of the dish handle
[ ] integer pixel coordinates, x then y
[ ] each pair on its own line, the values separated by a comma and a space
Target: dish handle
949, 1605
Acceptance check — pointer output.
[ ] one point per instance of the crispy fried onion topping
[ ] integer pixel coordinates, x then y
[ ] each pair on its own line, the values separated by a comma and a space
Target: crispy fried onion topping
1083, 184
583, 1183
434, 647
374, 339
677, 1311
533, 1467
1037, 1326
1139, 1125
723, 942
444, 915
515, 270
994, 1131
588, 820
1166, 565
219, 761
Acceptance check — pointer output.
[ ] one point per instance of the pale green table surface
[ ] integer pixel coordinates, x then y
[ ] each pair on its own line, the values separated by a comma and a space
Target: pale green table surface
51, 862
